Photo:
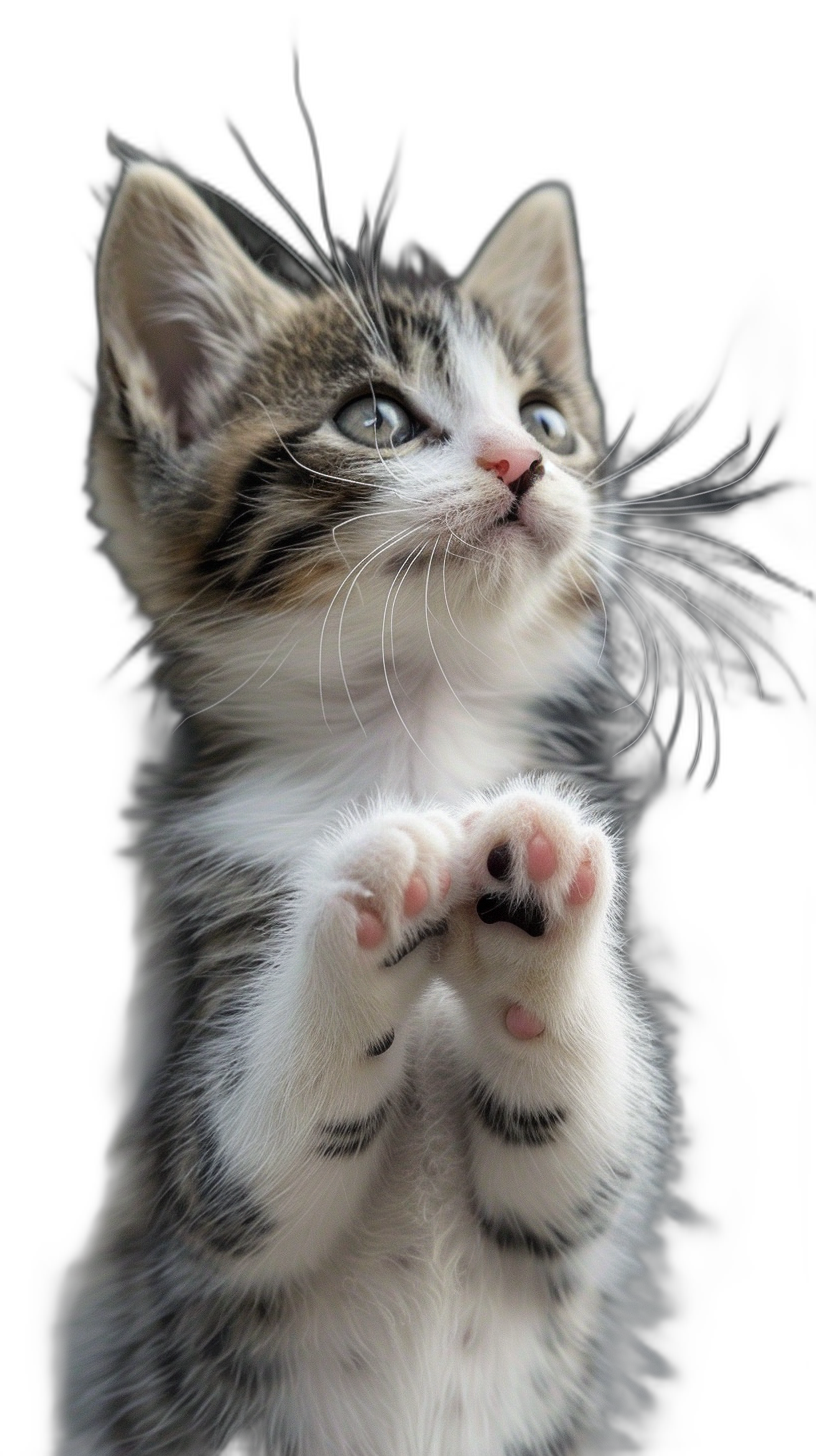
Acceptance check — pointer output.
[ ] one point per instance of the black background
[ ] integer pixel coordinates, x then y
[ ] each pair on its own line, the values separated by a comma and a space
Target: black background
689, 184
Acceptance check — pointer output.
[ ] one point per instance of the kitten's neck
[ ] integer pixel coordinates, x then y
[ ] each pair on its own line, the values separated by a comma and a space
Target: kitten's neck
316, 736
443, 746
289, 791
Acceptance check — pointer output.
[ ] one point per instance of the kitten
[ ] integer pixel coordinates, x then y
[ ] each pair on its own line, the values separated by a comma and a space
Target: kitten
391, 1181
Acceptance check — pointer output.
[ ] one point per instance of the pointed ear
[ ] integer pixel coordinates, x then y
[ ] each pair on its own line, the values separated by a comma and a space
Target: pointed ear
181, 307
528, 274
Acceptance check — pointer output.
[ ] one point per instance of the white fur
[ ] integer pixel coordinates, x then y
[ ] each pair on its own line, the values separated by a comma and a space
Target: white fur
381, 719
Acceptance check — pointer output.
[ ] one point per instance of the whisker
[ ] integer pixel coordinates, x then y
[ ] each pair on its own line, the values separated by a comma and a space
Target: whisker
688, 489
680, 426
233, 691
318, 166
353, 307
395, 587
430, 635
691, 563
644, 613
355, 575
385, 668
454, 623
310, 469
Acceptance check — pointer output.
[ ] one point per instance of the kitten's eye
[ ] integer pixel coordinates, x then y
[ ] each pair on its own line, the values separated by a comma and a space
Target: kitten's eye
548, 425
377, 421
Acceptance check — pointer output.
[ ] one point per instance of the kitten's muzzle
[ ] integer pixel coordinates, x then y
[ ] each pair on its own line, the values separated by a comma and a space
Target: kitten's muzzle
524, 483
520, 488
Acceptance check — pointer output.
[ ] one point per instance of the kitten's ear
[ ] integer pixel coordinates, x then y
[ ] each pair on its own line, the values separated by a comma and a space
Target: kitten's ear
528, 274
181, 307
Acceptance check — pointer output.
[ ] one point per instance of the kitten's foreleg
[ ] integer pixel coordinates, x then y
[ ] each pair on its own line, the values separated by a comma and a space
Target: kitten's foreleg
552, 1048
322, 1045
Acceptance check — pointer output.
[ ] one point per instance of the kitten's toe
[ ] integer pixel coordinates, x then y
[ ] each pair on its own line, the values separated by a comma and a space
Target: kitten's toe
390, 882
535, 863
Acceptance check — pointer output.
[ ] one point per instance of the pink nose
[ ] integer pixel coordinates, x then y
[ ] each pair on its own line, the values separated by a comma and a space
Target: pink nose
509, 462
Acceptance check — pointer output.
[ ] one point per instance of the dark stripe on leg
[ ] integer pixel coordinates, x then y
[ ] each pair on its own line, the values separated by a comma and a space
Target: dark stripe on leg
518, 1126
213, 1206
376, 1048
561, 1444
516, 1237
416, 938
347, 1139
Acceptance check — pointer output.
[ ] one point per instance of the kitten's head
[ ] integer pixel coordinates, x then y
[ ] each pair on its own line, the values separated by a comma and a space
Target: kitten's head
280, 443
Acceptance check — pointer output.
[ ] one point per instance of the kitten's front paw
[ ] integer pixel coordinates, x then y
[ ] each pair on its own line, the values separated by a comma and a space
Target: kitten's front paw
386, 885
541, 879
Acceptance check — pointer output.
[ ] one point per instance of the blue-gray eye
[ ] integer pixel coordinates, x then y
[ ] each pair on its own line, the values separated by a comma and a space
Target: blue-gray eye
545, 423
377, 421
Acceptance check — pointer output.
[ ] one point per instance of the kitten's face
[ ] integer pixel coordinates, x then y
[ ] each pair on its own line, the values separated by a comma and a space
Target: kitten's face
262, 453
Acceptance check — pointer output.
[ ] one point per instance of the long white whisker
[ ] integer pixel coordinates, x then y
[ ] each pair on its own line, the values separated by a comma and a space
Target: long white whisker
453, 621
312, 470
430, 635
385, 669
231, 694
396, 587
355, 574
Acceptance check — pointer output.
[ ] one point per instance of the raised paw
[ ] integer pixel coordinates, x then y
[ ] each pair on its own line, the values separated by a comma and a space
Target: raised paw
535, 861
540, 879
388, 882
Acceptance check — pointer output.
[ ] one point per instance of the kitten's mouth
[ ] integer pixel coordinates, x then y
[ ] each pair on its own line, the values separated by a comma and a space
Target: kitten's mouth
511, 515
516, 516
520, 491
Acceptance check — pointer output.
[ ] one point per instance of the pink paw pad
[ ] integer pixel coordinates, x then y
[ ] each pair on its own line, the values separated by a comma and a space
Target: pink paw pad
522, 1024
416, 896
583, 886
370, 930
542, 861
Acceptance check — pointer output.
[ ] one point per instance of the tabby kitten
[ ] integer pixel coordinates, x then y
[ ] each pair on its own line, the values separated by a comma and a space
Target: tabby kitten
404, 1129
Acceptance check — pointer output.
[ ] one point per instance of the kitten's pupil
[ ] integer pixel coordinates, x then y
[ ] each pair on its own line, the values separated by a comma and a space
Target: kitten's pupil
377, 421
547, 424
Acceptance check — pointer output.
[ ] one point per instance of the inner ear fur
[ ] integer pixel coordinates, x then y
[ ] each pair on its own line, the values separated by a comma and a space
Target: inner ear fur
528, 274
181, 307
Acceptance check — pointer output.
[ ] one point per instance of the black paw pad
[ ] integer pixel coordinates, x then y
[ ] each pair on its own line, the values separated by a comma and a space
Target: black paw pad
528, 916
500, 861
